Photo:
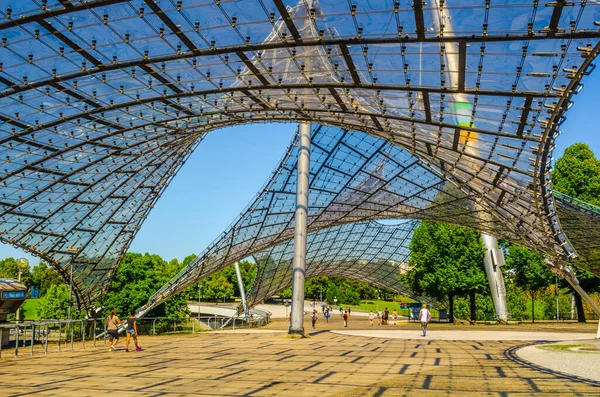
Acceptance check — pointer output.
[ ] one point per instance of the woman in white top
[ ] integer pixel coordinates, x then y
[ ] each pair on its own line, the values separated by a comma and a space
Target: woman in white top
425, 318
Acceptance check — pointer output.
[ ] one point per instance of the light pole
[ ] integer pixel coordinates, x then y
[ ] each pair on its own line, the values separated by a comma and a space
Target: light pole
556, 293
73, 251
19, 309
321, 295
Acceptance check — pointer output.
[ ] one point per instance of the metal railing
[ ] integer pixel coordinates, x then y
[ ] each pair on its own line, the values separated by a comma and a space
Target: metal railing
58, 335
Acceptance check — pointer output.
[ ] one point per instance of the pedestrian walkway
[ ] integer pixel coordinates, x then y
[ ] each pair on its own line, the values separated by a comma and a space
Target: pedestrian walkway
470, 334
271, 364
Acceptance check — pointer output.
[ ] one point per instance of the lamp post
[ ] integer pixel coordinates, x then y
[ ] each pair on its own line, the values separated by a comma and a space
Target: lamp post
321, 295
73, 251
19, 309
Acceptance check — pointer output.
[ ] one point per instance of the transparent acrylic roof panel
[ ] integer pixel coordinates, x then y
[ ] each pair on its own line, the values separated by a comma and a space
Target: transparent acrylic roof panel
476, 91
364, 251
373, 180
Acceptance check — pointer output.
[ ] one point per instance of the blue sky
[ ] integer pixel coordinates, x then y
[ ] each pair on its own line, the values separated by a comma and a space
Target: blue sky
230, 166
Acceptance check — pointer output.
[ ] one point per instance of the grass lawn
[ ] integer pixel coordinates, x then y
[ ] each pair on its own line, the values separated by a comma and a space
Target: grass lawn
374, 305
29, 309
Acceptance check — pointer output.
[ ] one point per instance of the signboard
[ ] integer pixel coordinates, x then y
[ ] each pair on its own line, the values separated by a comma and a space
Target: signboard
415, 309
13, 294
443, 314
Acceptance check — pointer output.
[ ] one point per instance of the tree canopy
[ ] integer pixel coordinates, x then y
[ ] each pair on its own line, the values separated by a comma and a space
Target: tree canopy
54, 303
43, 277
577, 174
139, 277
446, 260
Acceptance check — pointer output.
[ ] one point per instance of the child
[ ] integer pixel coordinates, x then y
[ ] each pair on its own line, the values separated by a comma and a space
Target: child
371, 317
315, 317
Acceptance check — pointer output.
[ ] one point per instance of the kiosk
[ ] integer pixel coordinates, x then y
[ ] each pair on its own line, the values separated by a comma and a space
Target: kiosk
12, 295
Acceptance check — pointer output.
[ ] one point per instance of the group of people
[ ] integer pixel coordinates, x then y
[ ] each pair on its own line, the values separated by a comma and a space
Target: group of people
382, 317
112, 329
345, 314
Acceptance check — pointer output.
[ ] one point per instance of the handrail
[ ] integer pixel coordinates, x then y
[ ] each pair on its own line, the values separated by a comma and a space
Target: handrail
66, 332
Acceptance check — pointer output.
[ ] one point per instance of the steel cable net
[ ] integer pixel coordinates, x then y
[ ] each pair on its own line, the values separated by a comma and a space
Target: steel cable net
102, 101
366, 251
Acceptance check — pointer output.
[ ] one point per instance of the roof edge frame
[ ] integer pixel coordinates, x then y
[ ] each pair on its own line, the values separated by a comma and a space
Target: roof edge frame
544, 156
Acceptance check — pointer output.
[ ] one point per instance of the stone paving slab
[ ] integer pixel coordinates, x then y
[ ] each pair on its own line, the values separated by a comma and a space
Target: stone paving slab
270, 364
469, 335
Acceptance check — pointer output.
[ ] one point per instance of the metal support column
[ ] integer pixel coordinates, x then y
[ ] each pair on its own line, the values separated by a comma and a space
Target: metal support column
568, 274
493, 261
301, 217
238, 273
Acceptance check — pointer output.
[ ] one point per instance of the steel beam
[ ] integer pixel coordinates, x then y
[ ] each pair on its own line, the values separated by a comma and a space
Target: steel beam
492, 262
287, 19
306, 44
299, 263
238, 274
567, 273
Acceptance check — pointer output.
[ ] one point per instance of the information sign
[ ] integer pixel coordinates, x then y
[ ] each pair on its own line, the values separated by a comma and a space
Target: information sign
13, 294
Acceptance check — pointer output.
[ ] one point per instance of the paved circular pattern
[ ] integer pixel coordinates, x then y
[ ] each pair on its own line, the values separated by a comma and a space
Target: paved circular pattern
468, 335
270, 364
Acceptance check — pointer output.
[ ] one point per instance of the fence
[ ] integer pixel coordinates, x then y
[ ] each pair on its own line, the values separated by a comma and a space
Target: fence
59, 335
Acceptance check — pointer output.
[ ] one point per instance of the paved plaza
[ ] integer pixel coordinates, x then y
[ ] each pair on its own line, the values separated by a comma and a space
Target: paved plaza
267, 362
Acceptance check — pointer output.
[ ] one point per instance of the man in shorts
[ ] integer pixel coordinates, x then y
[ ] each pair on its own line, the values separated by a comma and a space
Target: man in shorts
425, 318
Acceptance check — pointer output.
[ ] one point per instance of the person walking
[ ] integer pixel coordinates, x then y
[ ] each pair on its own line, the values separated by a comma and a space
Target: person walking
315, 317
378, 317
346, 316
341, 312
349, 312
131, 331
327, 315
371, 317
386, 316
394, 316
112, 329
425, 318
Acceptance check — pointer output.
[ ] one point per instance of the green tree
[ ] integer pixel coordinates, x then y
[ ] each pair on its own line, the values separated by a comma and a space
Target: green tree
9, 268
137, 279
217, 286
446, 261
43, 276
350, 297
54, 303
528, 271
589, 282
577, 174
